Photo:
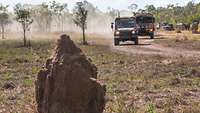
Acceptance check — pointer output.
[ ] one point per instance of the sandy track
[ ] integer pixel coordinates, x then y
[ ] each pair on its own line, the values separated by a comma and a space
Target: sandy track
146, 45
149, 47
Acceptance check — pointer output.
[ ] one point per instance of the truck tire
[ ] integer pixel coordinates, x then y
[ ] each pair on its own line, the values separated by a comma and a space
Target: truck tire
136, 41
152, 35
116, 42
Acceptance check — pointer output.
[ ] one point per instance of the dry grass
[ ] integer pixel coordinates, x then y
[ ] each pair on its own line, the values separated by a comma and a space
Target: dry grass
135, 84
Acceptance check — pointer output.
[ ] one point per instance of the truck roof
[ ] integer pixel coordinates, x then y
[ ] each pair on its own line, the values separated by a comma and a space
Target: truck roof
136, 15
143, 14
118, 18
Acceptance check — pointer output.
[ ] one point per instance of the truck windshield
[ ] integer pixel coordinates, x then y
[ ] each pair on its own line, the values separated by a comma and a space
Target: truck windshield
124, 23
143, 19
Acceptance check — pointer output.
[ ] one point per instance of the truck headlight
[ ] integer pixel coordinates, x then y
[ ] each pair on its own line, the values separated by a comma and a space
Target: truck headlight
151, 30
133, 32
117, 33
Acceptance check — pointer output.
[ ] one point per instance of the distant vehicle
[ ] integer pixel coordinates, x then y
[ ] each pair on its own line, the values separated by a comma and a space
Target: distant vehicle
180, 26
158, 26
195, 26
187, 26
164, 24
125, 30
145, 24
168, 27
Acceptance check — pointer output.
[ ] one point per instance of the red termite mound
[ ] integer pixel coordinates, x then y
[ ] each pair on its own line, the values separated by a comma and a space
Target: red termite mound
68, 83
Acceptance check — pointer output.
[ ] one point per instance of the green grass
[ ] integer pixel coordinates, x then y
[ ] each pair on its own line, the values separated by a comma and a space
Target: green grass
28, 82
8, 77
151, 108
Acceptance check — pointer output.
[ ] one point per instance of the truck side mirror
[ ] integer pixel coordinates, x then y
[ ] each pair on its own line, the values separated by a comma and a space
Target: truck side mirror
112, 26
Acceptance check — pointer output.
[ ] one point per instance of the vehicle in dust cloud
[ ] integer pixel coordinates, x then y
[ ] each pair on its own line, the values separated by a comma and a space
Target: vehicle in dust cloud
167, 27
145, 24
129, 28
125, 29
195, 26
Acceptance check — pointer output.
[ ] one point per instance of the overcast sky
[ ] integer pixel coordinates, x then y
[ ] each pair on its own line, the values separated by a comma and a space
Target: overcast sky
104, 4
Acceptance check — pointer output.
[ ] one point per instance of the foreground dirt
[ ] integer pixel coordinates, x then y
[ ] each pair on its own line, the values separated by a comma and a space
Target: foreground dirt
137, 82
163, 68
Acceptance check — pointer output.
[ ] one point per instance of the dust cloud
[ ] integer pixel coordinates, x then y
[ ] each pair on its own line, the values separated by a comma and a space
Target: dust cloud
98, 22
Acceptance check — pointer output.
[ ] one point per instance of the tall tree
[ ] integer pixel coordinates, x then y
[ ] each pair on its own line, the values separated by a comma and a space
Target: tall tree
80, 17
4, 19
175, 13
24, 18
58, 10
150, 9
133, 7
113, 13
42, 16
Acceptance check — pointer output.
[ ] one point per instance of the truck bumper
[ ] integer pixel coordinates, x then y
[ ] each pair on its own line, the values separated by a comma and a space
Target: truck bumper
145, 33
126, 38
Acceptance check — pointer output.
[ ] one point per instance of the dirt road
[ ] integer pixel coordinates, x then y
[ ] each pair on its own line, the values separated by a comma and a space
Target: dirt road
148, 46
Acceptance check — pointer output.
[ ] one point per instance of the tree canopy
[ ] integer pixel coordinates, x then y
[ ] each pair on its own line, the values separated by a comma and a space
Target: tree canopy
4, 19
175, 13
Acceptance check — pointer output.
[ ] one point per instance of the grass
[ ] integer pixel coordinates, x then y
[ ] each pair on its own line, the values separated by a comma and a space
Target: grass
135, 83
131, 77
185, 40
28, 82
8, 77
151, 108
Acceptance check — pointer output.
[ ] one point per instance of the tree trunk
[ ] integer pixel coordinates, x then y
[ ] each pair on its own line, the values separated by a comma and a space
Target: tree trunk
3, 31
84, 40
62, 23
63, 19
24, 30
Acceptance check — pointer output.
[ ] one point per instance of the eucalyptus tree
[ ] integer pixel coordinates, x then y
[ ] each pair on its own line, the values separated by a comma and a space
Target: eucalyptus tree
80, 17
113, 13
23, 16
133, 7
150, 9
58, 10
42, 16
4, 19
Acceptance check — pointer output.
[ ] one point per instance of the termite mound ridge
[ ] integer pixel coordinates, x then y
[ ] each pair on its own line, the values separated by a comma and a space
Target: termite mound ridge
68, 84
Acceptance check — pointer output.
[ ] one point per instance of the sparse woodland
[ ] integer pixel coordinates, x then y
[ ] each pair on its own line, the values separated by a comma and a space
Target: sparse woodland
56, 17
157, 76
176, 13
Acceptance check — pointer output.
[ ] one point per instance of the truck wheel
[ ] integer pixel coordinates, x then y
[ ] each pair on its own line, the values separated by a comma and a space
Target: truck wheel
136, 41
116, 42
152, 35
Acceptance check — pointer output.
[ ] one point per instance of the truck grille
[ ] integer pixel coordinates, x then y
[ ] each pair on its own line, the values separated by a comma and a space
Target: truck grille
125, 33
142, 30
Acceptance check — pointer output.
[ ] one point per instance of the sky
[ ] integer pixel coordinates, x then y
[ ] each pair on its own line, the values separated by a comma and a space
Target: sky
104, 4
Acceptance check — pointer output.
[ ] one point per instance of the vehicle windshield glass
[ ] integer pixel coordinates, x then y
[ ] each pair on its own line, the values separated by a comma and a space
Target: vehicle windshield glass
125, 23
143, 19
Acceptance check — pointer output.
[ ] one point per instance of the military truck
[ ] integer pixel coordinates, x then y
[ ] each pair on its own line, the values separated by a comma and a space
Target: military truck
195, 26
125, 30
145, 24
167, 27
